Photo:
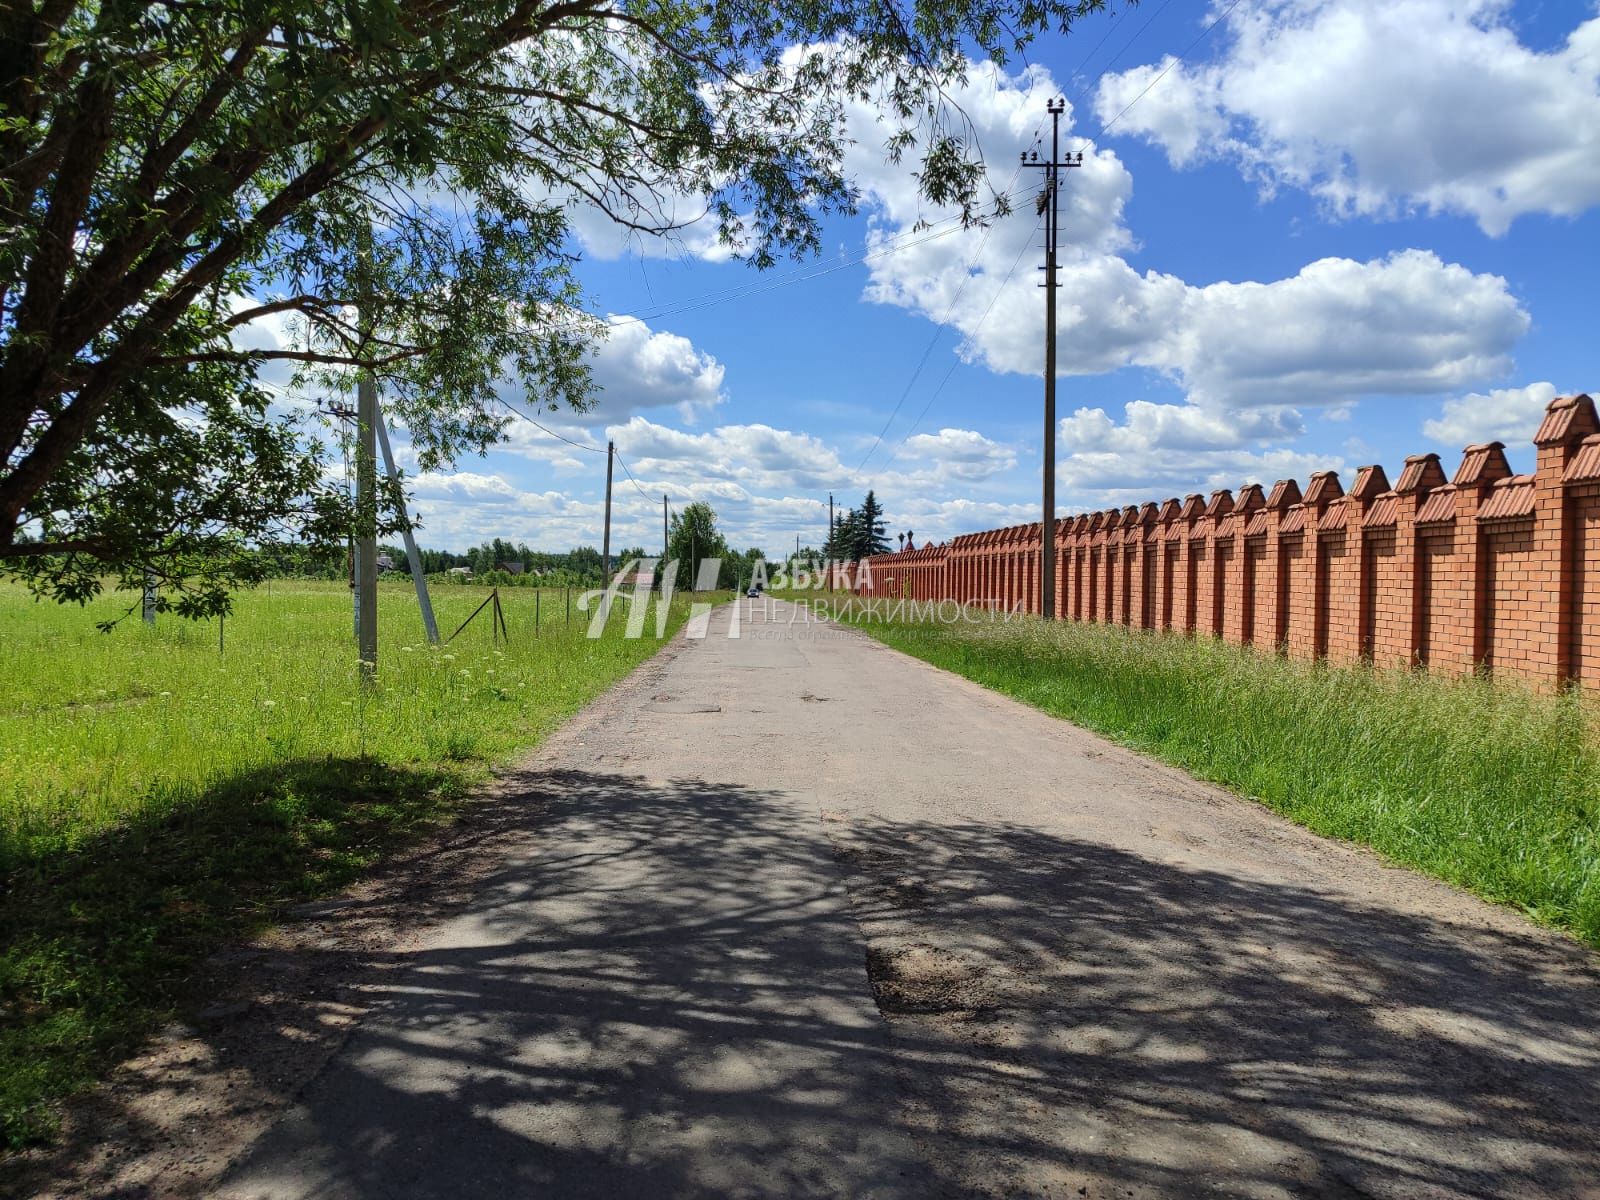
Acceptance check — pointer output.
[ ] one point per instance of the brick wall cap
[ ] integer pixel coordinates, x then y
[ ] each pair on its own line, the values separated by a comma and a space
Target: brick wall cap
1509, 499
1323, 489
1422, 473
1385, 511
1285, 493
1335, 516
1170, 508
1148, 512
1221, 503
1439, 507
1249, 499
1370, 483
1194, 504
1482, 464
1294, 519
1566, 418
1585, 464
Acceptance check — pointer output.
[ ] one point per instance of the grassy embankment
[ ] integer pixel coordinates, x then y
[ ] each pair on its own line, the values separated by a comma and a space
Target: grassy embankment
158, 798
1477, 782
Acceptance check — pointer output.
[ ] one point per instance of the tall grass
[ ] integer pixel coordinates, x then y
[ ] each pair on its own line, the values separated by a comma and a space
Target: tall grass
1479, 782
159, 794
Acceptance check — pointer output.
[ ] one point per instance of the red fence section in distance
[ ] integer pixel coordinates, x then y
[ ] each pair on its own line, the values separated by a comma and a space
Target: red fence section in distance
1487, 568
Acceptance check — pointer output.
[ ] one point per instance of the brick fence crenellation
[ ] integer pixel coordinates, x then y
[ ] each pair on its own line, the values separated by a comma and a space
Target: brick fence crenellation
1489, 569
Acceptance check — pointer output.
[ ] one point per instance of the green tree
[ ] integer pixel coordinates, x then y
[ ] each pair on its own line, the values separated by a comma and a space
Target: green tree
393, 179
868, 529
692, 537
841, 538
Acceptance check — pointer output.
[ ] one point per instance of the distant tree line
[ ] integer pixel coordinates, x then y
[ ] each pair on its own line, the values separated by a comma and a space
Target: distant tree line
488, 562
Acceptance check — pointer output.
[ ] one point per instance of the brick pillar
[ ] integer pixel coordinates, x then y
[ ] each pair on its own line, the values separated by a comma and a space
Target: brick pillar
1239, 609
1063, 553
1144, 571
1111, 567
1272, 589
1080, 567
1567, 421
1127, 534
1418, 480
1187, 581
1322, 491
1035, 569
1219, 547
1481, 467
1371, 482
1162, 549
1012, 589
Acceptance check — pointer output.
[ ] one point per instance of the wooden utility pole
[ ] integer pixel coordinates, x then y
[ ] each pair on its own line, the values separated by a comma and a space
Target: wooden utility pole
832, 547
365, 556
1050, 209
665, 544
605, 553
367, 514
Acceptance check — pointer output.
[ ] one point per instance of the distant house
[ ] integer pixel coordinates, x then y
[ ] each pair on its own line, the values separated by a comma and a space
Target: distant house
644, 577
385, 562
510, 568
460, 572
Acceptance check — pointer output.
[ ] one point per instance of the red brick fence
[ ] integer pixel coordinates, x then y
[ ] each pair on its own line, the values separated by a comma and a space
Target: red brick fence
1489, 568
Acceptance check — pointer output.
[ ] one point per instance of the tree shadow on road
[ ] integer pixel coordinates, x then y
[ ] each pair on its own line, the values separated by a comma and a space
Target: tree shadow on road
1080, 1013
659, 988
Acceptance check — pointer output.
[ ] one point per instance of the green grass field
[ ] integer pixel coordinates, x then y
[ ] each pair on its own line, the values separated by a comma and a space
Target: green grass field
158, 797
1483, 784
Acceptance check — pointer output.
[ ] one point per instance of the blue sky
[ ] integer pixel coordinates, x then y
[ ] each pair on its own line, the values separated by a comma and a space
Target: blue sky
1337, 232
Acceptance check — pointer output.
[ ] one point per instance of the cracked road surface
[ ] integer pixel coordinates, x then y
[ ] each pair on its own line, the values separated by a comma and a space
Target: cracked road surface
795, 915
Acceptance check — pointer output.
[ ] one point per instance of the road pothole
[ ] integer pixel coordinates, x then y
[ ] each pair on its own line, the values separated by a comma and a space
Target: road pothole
922, 978
674, 704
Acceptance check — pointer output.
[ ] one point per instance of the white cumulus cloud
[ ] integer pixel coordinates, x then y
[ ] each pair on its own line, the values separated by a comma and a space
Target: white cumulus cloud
1383, 106
1509, 415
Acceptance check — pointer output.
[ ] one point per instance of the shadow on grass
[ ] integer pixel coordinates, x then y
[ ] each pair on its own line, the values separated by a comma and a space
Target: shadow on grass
99, 940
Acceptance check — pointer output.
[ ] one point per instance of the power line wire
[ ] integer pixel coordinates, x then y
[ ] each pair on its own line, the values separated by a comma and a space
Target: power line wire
649, 499
560, 436
1117, 57
1087, 141
1217, 20
582, 446
905, 241
938, 331
993, 300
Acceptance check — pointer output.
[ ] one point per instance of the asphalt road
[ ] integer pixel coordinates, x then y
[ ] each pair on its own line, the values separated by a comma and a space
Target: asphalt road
796, 915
